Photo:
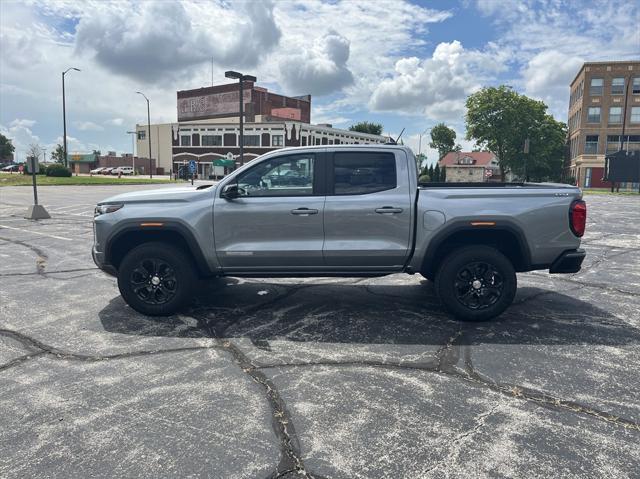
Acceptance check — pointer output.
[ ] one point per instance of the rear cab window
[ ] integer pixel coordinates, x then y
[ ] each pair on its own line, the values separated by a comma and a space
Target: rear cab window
361, 173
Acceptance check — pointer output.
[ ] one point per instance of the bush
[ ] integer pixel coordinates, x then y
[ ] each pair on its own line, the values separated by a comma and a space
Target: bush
58, 170
424, 179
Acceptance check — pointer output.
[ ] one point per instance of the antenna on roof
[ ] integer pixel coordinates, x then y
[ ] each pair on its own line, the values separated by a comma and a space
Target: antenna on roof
398, 139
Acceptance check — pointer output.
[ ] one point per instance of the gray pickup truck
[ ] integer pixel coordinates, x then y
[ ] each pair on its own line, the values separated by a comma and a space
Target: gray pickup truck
346, 210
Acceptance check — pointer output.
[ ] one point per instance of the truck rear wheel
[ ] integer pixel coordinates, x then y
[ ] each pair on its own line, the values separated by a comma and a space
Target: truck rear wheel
156, 279
476, 283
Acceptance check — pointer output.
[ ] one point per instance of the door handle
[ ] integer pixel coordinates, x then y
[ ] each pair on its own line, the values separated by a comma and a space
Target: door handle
388, 210
304, 212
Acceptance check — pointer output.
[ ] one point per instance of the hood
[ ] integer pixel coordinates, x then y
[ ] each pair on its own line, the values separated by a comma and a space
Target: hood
163, 195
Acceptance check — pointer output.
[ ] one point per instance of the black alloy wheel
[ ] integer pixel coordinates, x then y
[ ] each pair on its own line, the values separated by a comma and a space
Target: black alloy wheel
153, 281
476, 283
156, 279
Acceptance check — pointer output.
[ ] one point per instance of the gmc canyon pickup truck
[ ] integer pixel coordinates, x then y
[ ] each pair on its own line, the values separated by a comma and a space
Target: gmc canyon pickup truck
345, 210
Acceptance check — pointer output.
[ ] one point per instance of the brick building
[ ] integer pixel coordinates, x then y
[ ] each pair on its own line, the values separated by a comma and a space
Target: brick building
207, 129
470, 166
604, 101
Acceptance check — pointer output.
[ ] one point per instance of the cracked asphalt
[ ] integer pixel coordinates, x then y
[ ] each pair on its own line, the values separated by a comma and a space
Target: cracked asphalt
319, 377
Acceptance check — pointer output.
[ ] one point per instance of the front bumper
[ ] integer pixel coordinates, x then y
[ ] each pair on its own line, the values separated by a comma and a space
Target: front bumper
98, 259
568, 262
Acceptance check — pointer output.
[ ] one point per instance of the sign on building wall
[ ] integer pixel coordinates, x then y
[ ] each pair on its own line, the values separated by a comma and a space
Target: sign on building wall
210, 105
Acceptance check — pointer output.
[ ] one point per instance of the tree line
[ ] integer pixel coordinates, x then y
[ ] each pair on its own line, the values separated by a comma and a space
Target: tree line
502, 121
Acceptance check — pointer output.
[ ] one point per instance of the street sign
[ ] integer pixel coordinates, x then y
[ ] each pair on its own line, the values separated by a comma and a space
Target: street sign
192, 166
488, 173
21, 168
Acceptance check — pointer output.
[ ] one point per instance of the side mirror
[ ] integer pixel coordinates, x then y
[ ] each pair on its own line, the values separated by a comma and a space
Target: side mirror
230, 192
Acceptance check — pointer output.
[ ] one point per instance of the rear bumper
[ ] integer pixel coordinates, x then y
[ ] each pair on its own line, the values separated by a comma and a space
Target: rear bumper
568, 262
98, 259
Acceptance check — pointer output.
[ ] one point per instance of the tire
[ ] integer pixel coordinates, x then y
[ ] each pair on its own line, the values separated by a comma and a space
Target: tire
476, 283
156, 279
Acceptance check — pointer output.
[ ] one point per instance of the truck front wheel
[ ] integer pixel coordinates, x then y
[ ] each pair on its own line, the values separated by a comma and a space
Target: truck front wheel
476, 283
156, 279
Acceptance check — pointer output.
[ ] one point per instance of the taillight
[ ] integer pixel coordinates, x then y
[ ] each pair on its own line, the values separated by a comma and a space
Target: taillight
578, 217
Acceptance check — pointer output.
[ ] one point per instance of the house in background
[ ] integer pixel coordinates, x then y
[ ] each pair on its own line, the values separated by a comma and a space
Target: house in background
470, 166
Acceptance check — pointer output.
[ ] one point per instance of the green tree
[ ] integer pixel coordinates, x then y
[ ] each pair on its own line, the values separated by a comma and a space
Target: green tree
367, 127
443, 174
500, 120
58, 154
6, 147
443, 139
436, 174
431, 173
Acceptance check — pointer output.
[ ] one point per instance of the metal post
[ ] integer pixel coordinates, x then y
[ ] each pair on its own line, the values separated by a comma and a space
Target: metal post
241, 124
64, 124
33, 175
149, 137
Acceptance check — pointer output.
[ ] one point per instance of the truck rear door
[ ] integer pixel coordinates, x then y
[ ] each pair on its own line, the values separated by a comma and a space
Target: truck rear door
367, 214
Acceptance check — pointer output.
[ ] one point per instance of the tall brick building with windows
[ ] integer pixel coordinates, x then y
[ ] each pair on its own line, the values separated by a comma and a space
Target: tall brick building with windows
207, 129
604, 101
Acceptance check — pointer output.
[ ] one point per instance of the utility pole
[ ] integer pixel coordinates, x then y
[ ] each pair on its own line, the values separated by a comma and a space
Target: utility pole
133, 150
148, 133
64, 117
242, 78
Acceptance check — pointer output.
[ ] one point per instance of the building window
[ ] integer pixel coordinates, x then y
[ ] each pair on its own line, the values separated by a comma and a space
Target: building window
617, 86
593, 115
251, 140
613, 143
591, 145
635, 114
615, 114
142, 135
211, 140
277, 140
597, 85
636, 86
185, 140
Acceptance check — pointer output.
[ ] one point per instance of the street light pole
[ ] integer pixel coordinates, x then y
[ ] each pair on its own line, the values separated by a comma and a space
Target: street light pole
148, 133
242, 78
64, 117
420, 141
133, 150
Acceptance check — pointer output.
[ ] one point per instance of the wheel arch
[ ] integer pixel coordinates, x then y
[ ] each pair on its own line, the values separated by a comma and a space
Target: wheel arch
505, 237
133, 234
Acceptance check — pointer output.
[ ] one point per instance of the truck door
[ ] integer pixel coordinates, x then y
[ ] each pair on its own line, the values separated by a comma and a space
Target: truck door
276, 224
367, 215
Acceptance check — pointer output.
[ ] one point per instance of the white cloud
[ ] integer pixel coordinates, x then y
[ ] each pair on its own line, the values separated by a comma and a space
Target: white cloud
87, 126
158, 41
437, 86
115, 122
320, 69
21, 136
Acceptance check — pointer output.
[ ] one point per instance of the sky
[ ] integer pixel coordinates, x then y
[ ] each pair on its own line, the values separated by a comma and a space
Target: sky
405, 64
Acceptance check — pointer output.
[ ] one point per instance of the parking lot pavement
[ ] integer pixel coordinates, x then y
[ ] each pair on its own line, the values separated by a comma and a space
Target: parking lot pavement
344, 378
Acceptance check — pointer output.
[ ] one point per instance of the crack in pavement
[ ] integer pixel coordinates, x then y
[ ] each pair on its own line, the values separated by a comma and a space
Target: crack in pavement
42, 257
448, 357
291, 457
40, 349
480, 421
51, 272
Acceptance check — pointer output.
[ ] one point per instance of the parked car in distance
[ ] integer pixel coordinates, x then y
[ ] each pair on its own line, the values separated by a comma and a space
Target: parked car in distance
11, 168
97, 171
106, 170
357, 211
124, 170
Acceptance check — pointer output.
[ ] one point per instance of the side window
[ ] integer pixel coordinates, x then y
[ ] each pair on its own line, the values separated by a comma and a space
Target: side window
281, 176
360, 173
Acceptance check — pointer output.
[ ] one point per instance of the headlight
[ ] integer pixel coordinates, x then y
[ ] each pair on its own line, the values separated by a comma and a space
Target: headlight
107, 208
